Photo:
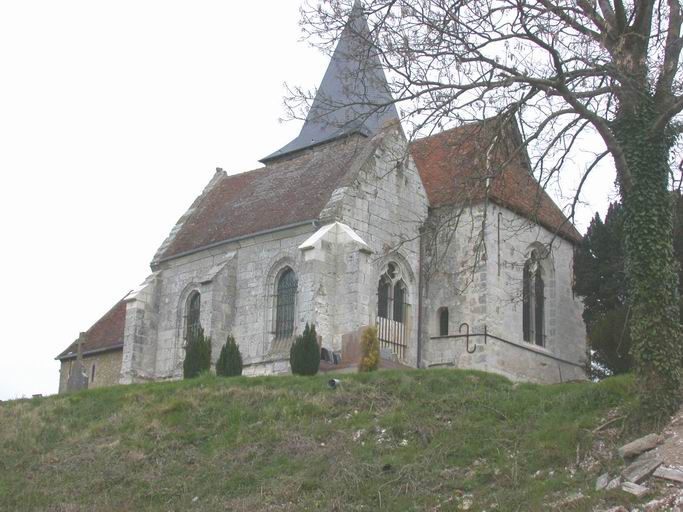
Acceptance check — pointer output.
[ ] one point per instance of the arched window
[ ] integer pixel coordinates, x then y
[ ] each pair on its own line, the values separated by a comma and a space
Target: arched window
399, 301
192, 323
443, 322
391, 295
285, 301
533, 298
383, 292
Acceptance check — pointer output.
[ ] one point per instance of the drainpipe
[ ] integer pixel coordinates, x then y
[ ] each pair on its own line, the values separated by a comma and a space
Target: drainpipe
420, 275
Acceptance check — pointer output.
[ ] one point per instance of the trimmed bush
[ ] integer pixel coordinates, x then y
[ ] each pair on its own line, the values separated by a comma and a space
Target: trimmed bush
304, 356
229, 362
197, 356
369, 346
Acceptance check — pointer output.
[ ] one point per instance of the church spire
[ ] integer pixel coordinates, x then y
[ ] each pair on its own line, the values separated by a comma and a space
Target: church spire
354, 95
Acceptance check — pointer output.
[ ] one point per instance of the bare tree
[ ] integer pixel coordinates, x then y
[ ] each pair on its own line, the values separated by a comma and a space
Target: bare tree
562, 69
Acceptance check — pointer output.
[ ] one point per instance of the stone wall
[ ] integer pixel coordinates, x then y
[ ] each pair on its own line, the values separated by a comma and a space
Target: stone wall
107, 369
381, 198
385, 203
236, 282
473, 266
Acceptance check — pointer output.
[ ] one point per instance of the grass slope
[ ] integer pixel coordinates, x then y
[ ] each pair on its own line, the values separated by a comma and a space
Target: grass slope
396, 440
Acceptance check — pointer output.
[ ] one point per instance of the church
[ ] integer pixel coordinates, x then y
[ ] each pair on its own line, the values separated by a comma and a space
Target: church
447, 244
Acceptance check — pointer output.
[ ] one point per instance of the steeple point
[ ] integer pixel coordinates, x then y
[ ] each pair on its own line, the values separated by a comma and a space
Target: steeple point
354, 95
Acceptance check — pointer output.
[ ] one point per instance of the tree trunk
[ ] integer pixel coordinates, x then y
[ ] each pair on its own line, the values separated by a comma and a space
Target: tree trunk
650, 267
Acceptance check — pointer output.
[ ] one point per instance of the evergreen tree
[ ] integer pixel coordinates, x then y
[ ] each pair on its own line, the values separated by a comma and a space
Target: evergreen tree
369, 346
304, 356
599, 278
229, 362
599, 265
197, 355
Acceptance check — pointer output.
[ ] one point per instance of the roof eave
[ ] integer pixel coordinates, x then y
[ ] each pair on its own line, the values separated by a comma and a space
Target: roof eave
295, 152
74, 355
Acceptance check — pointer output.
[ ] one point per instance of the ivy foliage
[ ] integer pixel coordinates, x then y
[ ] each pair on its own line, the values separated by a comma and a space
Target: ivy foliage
304, 356
649, 264
197, 355
229, 362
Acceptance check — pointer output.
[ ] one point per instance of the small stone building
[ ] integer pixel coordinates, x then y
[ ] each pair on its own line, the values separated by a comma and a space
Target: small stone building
101, 350
447, 245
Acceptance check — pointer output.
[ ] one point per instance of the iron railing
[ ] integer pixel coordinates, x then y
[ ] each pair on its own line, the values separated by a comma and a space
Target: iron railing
471, 346
392, 335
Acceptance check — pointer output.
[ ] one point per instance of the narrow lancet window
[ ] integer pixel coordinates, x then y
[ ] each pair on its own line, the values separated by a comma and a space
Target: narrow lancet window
285, 302
399, 302
192, 323
383, 298
443, 322
533, 299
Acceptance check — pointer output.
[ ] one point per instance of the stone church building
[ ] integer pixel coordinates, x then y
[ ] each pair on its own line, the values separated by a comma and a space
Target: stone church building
447, 244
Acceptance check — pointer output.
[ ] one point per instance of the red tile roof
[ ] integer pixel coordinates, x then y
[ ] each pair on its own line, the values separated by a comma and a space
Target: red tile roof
286, 191
105, 334
292, 190
453, 167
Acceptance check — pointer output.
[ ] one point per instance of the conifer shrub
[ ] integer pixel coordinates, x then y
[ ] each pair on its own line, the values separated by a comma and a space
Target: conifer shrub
369, 346
229, 362
197, 355
304, 356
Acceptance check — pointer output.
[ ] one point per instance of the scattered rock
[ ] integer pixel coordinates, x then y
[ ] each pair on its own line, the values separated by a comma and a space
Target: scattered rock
639, 446
601, 482
637, 490
665, 473
571, 500
614, 483
466, 502
641, 468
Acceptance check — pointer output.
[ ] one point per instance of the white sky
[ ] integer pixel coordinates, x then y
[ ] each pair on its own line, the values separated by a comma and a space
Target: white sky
113, 117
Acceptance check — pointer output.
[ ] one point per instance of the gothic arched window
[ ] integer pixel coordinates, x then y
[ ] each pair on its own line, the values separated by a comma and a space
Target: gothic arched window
284, 306
192, 323
443, 322
391, 295
383, 292
399, 301
533, 298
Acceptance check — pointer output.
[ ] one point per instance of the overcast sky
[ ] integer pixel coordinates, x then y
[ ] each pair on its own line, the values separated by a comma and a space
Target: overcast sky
113, 117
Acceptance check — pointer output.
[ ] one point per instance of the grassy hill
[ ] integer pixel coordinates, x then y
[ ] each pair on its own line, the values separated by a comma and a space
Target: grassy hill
393, 440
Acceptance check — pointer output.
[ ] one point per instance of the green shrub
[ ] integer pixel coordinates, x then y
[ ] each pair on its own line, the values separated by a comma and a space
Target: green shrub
197, 355
229, 362
369, 346
304, 356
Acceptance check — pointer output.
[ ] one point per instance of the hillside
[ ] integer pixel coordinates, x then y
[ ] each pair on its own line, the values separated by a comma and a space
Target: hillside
395, 440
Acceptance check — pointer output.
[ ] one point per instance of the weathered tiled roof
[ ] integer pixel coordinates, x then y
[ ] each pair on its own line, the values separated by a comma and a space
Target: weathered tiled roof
105, 334
454, 166
354, 94
285, 192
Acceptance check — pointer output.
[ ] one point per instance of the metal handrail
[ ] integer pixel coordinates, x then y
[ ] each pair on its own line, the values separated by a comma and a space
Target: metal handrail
486, 335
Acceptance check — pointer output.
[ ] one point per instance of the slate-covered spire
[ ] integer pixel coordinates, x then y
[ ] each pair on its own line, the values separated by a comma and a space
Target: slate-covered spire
354, 94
